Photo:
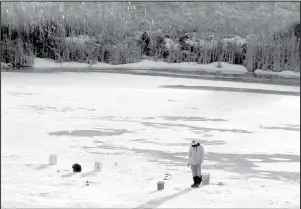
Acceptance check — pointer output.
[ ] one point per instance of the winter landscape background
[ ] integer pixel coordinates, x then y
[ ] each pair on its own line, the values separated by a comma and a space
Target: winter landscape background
258, 35
131, 85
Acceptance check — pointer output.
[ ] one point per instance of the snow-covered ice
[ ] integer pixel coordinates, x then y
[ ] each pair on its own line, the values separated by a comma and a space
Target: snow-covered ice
139, 131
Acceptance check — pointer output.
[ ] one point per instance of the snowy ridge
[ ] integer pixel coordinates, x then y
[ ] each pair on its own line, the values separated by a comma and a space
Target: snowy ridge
149, 64
284, 73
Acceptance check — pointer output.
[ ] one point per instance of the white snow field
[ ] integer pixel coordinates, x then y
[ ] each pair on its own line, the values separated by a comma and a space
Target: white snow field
139, 132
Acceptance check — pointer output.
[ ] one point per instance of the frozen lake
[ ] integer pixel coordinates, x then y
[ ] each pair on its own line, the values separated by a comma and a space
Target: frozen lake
140, 127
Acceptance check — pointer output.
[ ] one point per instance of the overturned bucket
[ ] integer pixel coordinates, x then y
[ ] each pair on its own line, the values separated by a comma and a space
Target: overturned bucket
160, 185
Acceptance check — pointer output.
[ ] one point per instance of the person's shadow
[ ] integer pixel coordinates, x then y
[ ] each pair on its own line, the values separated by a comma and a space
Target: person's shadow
69, 174
43, 166
157, 202
90, 173
39, 167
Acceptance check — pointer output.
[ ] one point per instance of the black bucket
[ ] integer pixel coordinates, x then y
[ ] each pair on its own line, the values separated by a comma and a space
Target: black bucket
77, 168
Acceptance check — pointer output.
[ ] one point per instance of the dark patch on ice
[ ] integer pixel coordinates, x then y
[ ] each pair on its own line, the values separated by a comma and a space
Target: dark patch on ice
235, 163
98, 142
90, 133
287, 127
206, 142
239, 163
182, 118
232, 89
159, 201
193, 128
207, 135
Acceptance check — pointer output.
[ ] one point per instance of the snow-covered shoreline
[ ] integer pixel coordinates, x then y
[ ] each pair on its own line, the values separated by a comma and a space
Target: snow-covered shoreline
4, 65
284, 73
149, 64
144, 64
226, 68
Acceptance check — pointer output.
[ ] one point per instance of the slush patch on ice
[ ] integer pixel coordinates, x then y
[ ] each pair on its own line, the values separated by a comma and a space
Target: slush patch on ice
181, 118
284, 127
196, 128
232, 89
89, 133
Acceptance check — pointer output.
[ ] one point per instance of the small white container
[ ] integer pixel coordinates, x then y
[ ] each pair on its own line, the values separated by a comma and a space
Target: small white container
205, 178
98, 166
53, 159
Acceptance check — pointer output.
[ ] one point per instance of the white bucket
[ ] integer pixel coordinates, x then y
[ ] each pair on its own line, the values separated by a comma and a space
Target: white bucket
205, 178
53, 159
98, 166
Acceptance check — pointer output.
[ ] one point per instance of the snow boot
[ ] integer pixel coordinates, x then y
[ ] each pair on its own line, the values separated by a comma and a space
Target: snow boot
195, 182
199, 181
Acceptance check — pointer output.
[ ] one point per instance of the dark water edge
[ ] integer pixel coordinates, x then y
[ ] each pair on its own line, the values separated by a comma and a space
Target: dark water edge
175, 73
232, 89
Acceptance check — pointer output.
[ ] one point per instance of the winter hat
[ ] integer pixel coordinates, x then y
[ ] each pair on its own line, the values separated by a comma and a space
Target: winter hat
193, 143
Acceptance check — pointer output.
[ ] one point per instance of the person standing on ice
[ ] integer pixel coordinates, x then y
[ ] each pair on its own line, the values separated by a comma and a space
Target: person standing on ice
195, 159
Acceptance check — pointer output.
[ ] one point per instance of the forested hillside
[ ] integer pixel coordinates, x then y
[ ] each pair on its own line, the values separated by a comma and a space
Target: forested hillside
259, 35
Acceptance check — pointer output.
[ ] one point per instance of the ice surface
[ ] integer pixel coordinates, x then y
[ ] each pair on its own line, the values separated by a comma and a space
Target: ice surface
139, 131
